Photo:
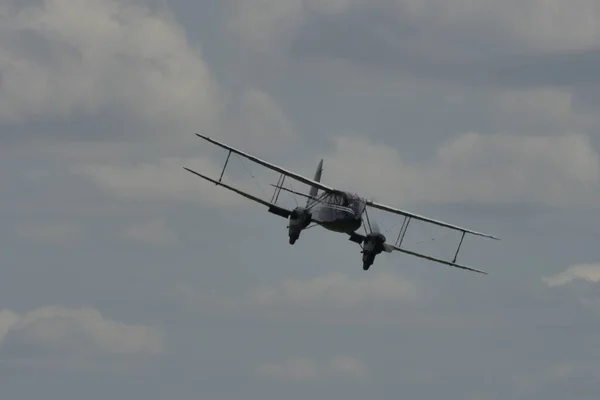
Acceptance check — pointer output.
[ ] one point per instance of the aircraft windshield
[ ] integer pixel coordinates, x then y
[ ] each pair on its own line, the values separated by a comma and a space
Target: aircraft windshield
339, 199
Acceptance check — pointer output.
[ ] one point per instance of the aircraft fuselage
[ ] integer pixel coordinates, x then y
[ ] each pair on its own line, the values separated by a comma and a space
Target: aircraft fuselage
340, 212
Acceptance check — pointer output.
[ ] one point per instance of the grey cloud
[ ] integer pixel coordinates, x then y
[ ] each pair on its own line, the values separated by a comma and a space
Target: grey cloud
53, 232
155, 232
507, 335
304, 369
400, 68
384, 39
569, 68
389, 40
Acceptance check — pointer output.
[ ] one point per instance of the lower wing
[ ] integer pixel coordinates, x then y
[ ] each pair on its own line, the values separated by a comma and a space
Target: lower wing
358, 238
273, 208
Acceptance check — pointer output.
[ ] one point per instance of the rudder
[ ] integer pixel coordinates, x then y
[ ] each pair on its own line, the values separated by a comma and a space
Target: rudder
314, 190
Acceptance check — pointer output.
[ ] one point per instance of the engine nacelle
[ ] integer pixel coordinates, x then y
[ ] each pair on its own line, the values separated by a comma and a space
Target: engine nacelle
299, 219
373, 245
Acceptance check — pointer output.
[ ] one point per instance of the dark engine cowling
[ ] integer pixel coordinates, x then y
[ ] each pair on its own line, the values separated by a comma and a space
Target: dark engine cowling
372, 245
299, 219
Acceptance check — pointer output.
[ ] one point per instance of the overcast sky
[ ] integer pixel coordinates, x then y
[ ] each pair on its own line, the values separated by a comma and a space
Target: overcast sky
125, 277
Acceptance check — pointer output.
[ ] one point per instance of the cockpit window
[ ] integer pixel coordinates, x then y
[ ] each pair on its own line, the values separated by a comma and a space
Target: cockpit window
339, 199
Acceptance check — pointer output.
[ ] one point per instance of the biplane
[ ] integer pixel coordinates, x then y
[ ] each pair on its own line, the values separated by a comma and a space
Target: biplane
338, 211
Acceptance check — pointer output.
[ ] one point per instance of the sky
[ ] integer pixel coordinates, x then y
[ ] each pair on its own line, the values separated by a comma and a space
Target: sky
123, 276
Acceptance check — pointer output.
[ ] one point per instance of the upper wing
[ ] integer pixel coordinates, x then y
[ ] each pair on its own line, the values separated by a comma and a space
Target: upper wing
269, 165
425, 219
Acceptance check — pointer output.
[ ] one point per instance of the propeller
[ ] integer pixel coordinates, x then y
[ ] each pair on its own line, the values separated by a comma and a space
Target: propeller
375, 228
379, 237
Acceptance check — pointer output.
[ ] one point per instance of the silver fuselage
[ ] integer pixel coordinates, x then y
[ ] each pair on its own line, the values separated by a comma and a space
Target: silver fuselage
340, 212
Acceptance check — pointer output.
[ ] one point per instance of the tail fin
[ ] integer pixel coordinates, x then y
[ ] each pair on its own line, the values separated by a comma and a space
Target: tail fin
314, 190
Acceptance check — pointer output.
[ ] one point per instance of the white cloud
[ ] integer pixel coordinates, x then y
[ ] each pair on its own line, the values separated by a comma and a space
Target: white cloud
496, 168
556, 170
155, 232
51, 232
304, 369
166, 179
323, 295
254, 123
67, 333
59, 57
337, 290
586, 272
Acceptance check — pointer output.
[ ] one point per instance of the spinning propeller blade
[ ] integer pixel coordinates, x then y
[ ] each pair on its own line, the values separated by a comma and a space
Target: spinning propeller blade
375, 227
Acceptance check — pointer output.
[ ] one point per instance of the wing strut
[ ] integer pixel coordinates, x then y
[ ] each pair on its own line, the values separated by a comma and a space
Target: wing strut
459, 246
368, 220
439, 260
225, 166
402, 232
429, 220
268, 165
278, 188
274, 209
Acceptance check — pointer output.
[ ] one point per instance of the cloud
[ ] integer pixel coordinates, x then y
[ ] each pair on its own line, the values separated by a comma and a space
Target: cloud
50, 232
73, 333
166, 179
304, 369
586, 272
154, 233
258, 122
260, 26
471, 46
114, 59
561, 170
496, 168
330, 294
337, 291
379, 30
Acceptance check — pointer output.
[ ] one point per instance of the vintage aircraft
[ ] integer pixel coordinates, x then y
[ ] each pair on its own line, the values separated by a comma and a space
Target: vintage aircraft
337, 211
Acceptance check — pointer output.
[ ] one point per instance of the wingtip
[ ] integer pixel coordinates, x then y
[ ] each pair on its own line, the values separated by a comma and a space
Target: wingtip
472, 269
485, 235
